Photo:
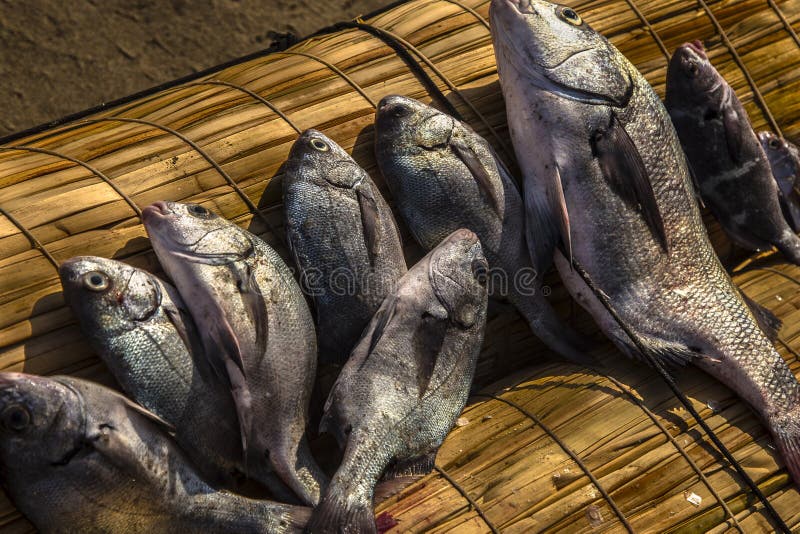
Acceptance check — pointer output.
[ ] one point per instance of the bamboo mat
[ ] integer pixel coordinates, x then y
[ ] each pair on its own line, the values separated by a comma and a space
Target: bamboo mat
78, 187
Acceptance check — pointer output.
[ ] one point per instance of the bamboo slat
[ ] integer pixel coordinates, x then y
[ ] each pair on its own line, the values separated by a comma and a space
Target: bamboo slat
78, 188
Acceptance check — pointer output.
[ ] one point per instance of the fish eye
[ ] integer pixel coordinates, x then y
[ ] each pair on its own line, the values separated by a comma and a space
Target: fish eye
199, 211
774, 143
571, 16
319, 144
95, 281
480, 270
691, 68
16, 417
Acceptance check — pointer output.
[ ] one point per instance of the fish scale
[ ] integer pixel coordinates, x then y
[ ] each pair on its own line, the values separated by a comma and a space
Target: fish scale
679, 302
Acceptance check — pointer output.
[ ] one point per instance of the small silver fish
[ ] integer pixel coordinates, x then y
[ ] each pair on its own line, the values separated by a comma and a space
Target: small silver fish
784, 160
343, 237
406, 381
443, 177
78, 457
605, 171
255, 327
141, 329
729, 165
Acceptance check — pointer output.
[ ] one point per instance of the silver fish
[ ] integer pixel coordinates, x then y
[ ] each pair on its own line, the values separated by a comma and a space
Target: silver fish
444, 176
78, 457
406, 381
604, 171
255, 327
729, 165
141, 329
343, 237
784, 160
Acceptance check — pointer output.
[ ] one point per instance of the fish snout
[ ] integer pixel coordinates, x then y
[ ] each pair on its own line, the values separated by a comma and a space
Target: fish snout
394, 106
698, 47
156, 211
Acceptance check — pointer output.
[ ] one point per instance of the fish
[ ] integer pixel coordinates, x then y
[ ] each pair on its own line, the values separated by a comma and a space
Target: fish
142, 330
784, 161
444, 176
597, 150
406, 381
78, 457
730, 168
255, 327
343, 238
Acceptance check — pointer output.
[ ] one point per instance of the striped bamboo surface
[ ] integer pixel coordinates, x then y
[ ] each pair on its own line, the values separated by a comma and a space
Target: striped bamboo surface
78, 188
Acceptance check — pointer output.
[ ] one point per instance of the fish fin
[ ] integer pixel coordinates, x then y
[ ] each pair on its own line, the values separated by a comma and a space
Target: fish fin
505, 174
297, 517
426, 344
785, 430
625, 172
767, 321
370, 221
221, 341
553, 332
253, 301
668, 353
384, 317
340, 512
734, 126
559, 207
298, 469
420, 465
469, 158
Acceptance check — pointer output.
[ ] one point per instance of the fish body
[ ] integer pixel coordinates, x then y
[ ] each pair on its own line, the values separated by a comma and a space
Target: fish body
141, 329
730, 167
598, 151
255, 327
784, 161
78, 457
444, 176
344, 240
406, 381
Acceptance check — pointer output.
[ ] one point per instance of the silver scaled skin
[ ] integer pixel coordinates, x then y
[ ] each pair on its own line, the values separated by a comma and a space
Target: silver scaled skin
603, 167
78, 457
443, 176
141, 329
406, 381
255, 326
344, 240
729, 165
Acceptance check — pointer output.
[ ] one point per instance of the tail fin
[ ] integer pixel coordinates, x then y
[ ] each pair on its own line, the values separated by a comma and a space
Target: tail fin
296, 518
553, 332
338, 513
786, 431
790, 247
298, 469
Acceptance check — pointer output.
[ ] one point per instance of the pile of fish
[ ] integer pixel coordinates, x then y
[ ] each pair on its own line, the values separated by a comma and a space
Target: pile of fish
221, 367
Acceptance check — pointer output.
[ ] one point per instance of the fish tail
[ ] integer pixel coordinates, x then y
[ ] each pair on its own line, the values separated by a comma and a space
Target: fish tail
790, 247
298, 469
786, 431
339, 512
553, 332
296, 518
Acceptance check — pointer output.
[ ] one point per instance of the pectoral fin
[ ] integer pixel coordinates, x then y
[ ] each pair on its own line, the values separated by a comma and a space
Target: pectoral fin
734, 126
425, 348
370, 220
547, 219
624, 170
478, 171
254, 303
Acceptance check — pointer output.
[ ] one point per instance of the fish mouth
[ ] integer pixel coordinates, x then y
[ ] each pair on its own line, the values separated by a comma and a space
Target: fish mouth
698, 47
694, 50
157, 212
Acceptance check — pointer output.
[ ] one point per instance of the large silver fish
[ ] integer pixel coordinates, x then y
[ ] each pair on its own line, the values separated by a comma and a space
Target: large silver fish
605, 172
729, 165
255, 327
443, 177
406, 381
784, 160
78, 457
343, 237
141, 329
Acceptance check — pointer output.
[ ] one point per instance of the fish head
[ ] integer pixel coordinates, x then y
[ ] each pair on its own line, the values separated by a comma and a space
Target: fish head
316, 158
691, 77
194, 233
458, 272
406, 124
109, 296
552, 47
783, 159
42, 423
